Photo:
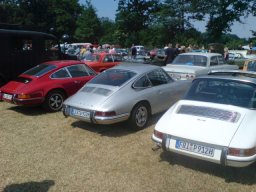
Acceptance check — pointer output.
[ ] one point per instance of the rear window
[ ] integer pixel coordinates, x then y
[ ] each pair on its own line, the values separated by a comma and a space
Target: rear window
223, 91
113, 77
40, 70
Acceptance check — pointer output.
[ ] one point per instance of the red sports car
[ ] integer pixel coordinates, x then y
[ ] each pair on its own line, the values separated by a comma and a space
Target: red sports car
102, 61
47, 84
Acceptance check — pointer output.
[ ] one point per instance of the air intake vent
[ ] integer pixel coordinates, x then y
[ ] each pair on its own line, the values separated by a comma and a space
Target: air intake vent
208, 112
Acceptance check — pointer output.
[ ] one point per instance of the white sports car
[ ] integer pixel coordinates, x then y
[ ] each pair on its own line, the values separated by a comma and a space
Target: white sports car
215, 121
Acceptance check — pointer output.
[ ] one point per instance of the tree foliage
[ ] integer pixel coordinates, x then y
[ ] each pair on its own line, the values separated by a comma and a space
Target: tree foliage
88, 25
149, 22
223, 13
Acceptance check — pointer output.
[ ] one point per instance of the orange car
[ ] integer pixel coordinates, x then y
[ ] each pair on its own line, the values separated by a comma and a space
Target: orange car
102, 61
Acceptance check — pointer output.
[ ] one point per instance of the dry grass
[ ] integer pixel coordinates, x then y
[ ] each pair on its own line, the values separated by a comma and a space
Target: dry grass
46, 152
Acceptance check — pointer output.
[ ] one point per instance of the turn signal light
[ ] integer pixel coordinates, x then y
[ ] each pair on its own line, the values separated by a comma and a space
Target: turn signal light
242, 152
23, 96
158, 134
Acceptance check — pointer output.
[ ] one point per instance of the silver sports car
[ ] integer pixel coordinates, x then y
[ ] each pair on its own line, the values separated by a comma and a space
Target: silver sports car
128, 91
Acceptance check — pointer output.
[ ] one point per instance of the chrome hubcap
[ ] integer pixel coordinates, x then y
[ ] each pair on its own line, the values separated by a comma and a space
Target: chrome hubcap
141, 116
56, 101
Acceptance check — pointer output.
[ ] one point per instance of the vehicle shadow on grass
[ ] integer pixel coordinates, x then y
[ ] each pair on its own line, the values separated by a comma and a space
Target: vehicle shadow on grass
244, 175
32, 186
115, 130
31, 111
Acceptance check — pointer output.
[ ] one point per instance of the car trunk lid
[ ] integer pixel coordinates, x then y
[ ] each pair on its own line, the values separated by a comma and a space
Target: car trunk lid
91, 96
202, 122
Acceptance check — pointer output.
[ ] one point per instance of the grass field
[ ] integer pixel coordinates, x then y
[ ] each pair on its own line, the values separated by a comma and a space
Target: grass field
47, 152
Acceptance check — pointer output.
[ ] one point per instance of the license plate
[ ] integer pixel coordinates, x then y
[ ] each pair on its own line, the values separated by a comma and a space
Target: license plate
7, 96
80, 113
195, 148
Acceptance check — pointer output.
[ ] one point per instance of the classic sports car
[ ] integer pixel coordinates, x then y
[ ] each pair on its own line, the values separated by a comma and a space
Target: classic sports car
125, 92
193, 64
215, 121
102, 61
47, 84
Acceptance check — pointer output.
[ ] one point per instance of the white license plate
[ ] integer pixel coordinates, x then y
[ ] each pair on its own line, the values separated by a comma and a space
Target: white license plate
80, 113
195, 148
7, 96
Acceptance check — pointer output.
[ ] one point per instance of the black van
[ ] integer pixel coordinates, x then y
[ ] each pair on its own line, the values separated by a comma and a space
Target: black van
21, 50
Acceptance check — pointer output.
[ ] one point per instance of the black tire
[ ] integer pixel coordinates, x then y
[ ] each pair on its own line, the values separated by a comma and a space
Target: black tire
139, 116
54, 101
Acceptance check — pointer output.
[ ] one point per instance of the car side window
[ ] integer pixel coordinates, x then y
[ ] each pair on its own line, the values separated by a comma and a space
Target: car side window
214, 61
108, 58
143, 82
158, 77
62, 73
221, 60
77, 70
117, 58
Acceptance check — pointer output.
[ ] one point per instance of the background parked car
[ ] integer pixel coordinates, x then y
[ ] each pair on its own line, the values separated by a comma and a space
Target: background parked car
102, 61
249, 65
130, 92
191, 65
236, 59
215, 121
47, 84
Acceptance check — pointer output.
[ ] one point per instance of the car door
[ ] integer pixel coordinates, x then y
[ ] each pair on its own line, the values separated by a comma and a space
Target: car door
160, 91
80, 74
71, 78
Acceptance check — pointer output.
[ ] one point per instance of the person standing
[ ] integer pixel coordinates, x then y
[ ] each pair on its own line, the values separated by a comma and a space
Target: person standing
134, 51
170, 53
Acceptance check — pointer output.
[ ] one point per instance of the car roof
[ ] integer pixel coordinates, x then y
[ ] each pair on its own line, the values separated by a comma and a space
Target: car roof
237, 75
201, 53
63, 63
136, 67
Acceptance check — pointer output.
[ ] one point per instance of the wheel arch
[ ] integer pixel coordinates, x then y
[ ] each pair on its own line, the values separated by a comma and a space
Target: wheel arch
146, 102
57, 89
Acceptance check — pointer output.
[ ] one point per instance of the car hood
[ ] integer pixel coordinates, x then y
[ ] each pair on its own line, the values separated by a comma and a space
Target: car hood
91, 96
182, 68
202, 121
17, 85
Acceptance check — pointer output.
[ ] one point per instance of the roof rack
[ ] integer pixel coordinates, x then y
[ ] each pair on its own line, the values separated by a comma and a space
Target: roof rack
251, 74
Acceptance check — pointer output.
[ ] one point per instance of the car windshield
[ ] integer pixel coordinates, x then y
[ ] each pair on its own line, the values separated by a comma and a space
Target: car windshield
113, 77
40, 70
193, 60
90, 57
223, 91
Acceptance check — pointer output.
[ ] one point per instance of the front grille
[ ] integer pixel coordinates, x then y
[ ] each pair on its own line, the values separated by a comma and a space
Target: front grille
208, 112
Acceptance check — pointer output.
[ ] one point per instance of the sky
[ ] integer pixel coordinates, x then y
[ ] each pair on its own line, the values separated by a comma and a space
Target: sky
107, 8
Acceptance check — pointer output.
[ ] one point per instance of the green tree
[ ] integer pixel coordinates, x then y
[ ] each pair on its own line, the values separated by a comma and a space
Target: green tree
88, 25
109, 34
63, 15
9, 11
42, 15
133, 16
223, 13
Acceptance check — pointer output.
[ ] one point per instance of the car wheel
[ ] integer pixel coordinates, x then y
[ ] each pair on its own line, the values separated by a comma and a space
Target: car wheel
54, 101
139, 116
